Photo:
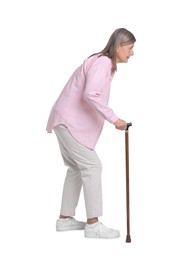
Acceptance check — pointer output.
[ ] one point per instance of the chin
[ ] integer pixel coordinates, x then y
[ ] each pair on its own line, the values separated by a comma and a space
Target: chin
123, 61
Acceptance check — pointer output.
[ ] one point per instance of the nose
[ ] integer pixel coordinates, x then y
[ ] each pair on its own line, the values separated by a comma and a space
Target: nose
132, 52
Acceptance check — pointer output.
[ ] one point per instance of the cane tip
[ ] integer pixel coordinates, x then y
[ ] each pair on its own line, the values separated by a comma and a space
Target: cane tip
128, 239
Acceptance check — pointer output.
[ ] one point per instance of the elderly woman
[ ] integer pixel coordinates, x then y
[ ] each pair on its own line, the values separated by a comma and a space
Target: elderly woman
77, 119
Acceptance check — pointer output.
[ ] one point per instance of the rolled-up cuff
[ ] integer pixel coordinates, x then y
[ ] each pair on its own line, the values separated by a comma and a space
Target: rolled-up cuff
113, 119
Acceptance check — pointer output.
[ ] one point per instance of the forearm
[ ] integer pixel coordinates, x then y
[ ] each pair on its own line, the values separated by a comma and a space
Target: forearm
104, 111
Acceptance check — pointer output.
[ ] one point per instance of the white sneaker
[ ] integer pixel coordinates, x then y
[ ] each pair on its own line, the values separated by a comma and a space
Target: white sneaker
69, 224
98, 230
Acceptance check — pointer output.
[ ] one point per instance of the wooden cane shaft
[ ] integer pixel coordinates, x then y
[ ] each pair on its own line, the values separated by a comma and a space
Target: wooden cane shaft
128, 239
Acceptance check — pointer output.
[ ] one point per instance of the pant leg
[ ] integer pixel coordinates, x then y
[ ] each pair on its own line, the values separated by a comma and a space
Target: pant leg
90, 168
73, 181
71, 192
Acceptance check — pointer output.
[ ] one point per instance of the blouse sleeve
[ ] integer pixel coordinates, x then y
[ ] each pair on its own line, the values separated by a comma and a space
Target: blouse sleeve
97, 89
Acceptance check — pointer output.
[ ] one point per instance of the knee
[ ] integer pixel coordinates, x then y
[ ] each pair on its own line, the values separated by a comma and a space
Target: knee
94, 169
96, 164
97, 167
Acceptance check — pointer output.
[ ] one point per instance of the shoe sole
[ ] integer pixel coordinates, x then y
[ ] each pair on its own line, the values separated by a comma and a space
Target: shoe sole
93, 236
68, 229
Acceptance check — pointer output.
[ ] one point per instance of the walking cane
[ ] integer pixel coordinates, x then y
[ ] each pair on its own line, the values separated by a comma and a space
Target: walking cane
128, 237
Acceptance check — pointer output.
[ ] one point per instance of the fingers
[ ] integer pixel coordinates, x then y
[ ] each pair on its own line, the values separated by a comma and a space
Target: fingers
120, 124
120, 127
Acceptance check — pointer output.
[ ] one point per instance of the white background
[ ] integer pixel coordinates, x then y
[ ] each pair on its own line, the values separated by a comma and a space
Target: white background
42, 42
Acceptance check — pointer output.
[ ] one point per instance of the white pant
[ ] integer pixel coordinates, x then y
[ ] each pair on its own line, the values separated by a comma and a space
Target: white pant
84, 169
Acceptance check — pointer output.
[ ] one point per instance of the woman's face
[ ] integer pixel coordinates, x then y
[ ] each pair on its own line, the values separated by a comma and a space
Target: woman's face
124, 52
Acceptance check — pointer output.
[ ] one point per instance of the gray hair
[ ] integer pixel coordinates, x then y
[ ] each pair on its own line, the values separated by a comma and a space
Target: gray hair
120, 36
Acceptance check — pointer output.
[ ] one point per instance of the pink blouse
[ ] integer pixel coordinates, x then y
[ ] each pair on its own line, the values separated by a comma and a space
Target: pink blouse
83, 103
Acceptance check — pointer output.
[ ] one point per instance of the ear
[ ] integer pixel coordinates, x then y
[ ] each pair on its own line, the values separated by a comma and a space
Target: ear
118, 48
